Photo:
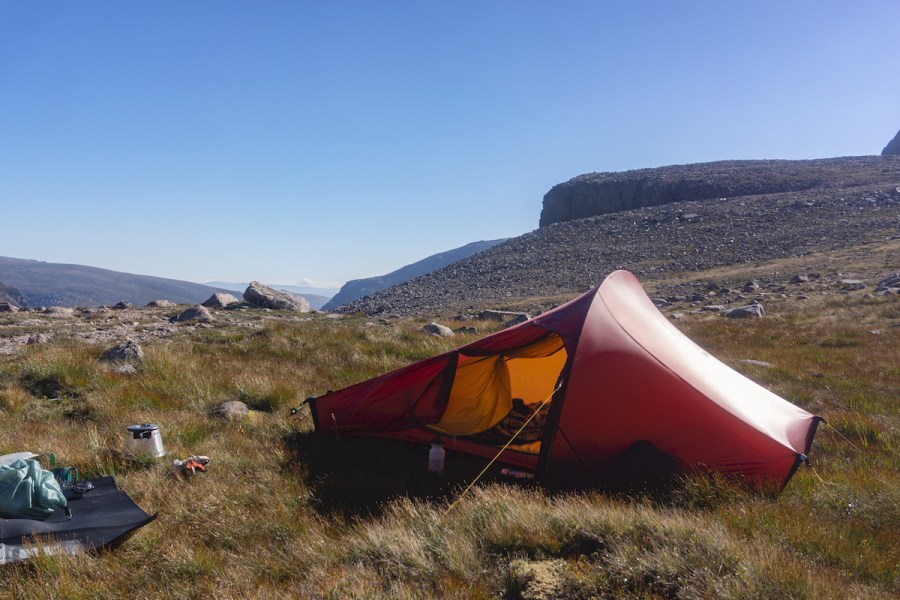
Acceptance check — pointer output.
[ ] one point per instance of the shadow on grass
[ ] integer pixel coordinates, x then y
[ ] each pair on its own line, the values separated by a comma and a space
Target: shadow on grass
356, 476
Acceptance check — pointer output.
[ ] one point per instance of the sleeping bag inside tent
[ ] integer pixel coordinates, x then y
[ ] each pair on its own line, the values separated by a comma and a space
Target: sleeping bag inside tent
609, 389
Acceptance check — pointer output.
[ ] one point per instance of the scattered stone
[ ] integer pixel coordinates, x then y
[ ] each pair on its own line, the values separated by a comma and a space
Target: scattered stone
129, 352
516, 320
889, 284
797, 279
502, 315
161, 304
125, 369
123, 306
851, 285
712, 308
38, 338
265, 297
197, 313
751, 286
438, 329
755, 363
466, 329
233, 410
220, 300
743, 312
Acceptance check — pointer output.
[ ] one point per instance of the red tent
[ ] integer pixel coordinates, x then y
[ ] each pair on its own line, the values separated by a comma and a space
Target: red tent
628, 393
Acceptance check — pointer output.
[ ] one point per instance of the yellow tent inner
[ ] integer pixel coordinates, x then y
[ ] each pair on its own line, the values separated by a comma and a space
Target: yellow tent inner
484, 386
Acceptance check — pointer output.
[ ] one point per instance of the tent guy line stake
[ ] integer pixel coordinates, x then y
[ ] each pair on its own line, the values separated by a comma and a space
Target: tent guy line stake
503, 449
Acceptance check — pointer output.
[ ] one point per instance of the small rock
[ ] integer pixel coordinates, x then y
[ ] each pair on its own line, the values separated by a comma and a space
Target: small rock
743, 312
438, 329
712, 308
465, 330
676, 315
751, 286
195, 313
220, 300
756, 363
123, 305
8, 307
129, 352
891, 284
38, 338
502, 315
851, 285
797, 279
516, 320
161, 304
59, 311
234, 410
125, 370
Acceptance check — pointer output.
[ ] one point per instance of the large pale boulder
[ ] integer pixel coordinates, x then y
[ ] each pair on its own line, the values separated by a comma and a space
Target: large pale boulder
266, 297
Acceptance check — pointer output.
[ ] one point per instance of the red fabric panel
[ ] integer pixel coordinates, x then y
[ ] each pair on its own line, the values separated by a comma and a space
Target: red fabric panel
395, 401
619, 394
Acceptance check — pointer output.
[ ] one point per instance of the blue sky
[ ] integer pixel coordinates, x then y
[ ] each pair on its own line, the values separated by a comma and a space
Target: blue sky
301, 142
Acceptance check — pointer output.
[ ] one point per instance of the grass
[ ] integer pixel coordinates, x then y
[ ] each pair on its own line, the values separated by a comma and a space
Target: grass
283, 513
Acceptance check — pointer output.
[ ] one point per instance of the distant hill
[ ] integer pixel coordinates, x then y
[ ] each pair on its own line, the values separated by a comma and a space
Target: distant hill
317, 297
56, 284
358, 288
844, 203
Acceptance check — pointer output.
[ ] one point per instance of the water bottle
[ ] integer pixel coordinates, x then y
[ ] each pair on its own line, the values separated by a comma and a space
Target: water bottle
436, 456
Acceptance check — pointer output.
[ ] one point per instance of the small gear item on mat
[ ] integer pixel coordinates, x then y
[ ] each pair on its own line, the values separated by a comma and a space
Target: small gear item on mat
190, 465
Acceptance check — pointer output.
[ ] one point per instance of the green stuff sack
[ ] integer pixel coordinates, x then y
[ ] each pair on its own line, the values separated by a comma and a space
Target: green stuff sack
28, 492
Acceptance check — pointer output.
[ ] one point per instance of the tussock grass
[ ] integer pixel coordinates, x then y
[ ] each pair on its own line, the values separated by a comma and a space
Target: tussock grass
283, 513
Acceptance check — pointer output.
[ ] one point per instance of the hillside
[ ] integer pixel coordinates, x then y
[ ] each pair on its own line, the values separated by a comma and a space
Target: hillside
55, 284
358, 288
666, 243
11, 295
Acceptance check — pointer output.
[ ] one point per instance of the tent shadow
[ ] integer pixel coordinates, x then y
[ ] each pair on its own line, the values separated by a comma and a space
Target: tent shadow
357, 476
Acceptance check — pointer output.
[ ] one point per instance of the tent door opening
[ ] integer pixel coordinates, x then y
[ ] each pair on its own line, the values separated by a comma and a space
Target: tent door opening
493, 396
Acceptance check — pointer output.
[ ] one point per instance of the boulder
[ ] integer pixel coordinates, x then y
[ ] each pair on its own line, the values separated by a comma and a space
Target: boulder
438, 329
890, 285
234, 410
161, 304
8, 307
743, 312
220, 300
123, 305
38, 338
265, 297
195, 313
852, 285
128, 353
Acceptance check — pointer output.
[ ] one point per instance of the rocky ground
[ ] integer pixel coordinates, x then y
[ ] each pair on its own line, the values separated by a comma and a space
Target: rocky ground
678, 250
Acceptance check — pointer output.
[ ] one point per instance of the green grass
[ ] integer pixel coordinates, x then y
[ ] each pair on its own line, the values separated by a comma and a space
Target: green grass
284, 513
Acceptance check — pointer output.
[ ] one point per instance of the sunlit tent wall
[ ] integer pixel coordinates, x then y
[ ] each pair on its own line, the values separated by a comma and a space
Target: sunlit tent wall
626, 391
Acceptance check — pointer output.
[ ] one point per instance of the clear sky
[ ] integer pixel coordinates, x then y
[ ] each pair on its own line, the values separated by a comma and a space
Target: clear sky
316, 142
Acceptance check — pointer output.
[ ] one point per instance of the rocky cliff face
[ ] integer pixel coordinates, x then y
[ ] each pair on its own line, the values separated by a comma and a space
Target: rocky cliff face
603, 193
893, 147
